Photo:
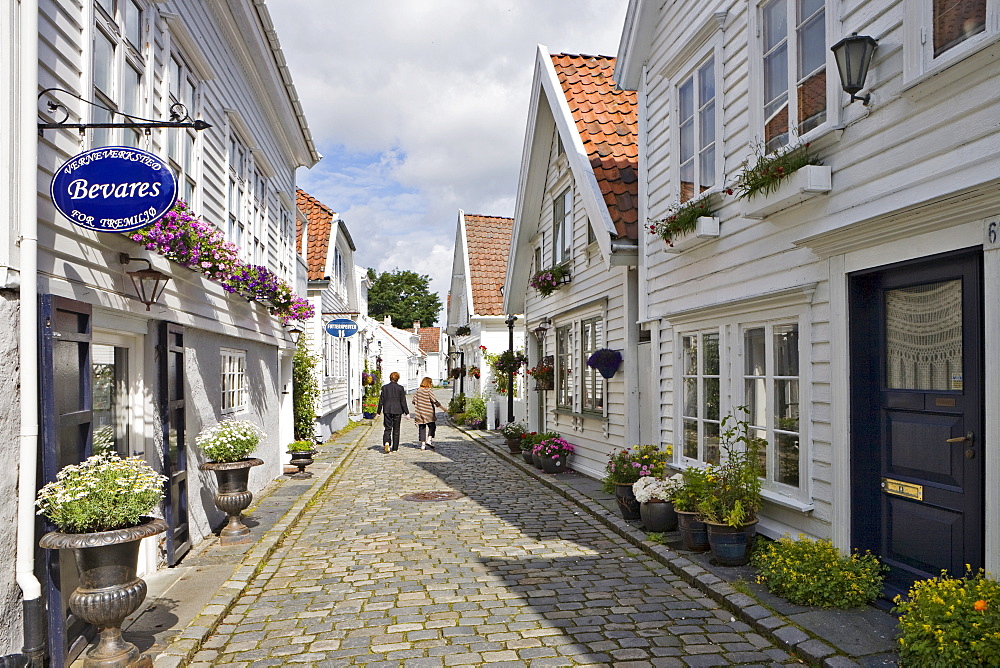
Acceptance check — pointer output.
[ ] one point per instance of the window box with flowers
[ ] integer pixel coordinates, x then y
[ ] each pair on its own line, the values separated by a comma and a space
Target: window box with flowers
543, 373
687, 225
549, 280
464, 330
778, 180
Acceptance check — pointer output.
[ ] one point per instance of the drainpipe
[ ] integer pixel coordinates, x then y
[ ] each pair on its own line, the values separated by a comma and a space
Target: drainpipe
24, 568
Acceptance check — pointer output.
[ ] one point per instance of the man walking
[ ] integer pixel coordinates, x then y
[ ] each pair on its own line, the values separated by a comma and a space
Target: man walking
392, 401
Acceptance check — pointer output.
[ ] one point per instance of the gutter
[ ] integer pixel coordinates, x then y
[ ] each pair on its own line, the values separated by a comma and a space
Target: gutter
24, 567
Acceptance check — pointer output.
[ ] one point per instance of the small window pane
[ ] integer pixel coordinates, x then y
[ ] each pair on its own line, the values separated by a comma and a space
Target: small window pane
712, 442
104, 61
756, 400
711, 398
685, 96
787, 452
133, 23
755, 355
786, 405
812, 45
706, 82
924, 337
690, 346
687, 140
956, 21
707, 168
711, 343
691, 397
691, 438
775, 23
786, 350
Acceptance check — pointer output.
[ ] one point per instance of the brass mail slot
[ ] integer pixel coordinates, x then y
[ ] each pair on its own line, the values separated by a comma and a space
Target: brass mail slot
904, 489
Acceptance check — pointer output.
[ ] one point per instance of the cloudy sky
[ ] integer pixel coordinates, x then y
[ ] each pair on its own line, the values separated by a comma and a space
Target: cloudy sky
419, 108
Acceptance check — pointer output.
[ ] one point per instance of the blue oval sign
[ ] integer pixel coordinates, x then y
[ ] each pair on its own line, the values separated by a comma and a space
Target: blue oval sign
341, 327
114, 189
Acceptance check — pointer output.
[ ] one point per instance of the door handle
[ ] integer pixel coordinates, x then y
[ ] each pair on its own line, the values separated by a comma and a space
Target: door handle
968, 438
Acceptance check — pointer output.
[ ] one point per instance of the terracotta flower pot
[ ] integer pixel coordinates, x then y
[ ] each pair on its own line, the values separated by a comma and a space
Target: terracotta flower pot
109, 590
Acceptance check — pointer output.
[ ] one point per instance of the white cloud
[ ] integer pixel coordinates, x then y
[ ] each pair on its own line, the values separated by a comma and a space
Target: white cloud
420, 108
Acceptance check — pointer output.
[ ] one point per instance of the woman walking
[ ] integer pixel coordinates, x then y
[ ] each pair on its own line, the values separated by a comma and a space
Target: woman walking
393, 402
424, 414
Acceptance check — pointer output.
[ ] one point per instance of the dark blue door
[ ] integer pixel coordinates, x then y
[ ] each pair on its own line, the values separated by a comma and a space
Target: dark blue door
65, 430
916, 407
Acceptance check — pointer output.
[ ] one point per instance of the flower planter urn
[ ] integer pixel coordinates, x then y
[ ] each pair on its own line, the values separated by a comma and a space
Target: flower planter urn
301, 459
514, 445
536, 459
731, 545
658, 516
368, 416
109, 590
233, 496
526, 456
694, 535
555, 464
627, 503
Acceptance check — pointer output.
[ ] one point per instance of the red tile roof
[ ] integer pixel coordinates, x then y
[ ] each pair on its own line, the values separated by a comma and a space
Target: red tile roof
487, 241
608, 122
320, 218
430, 339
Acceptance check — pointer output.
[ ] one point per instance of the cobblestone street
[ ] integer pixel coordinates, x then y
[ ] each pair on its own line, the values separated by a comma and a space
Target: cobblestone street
508, 574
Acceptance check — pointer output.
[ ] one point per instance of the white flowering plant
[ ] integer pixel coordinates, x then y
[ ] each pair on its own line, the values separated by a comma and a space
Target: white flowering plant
229, 440
649, 488
103, 493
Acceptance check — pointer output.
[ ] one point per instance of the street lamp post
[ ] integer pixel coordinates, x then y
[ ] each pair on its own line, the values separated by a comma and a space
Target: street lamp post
511, 319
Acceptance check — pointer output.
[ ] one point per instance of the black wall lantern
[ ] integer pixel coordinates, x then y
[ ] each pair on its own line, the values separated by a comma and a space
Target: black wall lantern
854, 55
148, 283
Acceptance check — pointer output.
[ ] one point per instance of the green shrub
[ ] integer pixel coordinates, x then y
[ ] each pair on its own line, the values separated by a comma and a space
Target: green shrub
475, 407
305, 391
301, 446
950, 621
809, 572
694, 486
456, 405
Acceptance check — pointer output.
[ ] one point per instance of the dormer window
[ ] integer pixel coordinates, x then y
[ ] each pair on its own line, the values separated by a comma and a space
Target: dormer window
562, 226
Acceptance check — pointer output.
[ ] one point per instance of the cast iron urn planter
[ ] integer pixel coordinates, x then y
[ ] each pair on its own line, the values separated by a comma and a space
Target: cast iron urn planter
731, 546
694, 533
233, 496
627, 503
555, 464
109, 590
658, 516
301, 459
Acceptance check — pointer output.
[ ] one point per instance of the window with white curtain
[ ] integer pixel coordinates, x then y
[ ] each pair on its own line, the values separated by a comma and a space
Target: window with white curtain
234, 393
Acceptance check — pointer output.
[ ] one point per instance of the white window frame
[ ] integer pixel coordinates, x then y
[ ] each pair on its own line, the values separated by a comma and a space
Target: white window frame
832, 25
233, 380
565, 383
699, 375
711, 51
591, 381
124, 56
562, 230
730, 320
919, 62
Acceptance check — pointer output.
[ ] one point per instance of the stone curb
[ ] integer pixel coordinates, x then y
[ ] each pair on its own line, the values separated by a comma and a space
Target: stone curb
778, 629
183, 646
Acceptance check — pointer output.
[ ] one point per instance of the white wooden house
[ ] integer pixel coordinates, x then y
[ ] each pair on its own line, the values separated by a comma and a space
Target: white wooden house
848, 313
476, 316
576, 207
329, 249
142, 380
399, 350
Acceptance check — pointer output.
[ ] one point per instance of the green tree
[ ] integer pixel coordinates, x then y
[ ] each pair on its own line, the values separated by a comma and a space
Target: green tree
405, 296
305, 391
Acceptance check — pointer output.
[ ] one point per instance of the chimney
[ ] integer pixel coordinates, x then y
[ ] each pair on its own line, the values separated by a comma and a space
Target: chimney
387, 321
416, 326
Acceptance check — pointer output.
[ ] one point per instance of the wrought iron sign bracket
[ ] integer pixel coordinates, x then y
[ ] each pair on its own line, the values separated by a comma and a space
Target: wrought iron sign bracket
179, 117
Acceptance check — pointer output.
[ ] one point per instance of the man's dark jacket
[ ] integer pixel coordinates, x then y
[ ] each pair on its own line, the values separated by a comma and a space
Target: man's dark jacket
392, 401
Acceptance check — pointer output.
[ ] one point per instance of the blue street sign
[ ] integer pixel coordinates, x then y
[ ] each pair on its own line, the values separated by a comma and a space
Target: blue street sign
113, 189
341, 327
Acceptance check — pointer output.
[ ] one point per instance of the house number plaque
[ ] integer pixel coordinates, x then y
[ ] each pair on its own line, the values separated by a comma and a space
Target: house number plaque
904, 489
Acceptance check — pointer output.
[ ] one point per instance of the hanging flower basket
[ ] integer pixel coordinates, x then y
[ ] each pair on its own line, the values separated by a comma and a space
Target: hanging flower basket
543, 373
606, 361
464, 330
457, 372
474, 371
549, 280
367, 378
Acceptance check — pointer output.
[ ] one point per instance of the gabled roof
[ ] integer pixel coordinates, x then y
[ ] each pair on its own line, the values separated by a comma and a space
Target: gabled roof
321, 219
487, 243
608, 122
430, 339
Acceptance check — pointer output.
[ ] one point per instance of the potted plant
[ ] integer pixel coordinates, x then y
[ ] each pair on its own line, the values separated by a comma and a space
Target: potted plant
513, 432
655, 497
693, 485
730, 504
457, 372
474, 371
227, 445
606, 361
528, 443
101, 509
368, 407
464, 330
696, 216
547, 281
554, 454
543, 373
625, 467
302, 456
778, 179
